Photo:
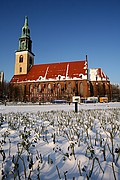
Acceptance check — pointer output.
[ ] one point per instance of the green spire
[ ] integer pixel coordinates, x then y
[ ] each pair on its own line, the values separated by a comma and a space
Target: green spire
25, 42
26, 21
25, 29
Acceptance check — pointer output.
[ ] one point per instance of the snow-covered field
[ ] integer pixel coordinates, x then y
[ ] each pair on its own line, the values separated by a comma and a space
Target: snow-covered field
53, 142
50, 107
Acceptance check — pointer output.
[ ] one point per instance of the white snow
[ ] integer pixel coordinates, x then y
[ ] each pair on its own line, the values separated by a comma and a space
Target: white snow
53, 142
94, 74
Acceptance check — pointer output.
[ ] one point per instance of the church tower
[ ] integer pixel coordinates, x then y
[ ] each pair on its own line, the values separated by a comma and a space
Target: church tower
24, 58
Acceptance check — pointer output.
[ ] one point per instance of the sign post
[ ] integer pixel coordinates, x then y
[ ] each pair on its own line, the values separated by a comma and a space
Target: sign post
76, 107
76, 100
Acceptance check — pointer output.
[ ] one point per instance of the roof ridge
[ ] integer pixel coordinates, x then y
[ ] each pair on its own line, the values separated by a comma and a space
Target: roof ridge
62, 62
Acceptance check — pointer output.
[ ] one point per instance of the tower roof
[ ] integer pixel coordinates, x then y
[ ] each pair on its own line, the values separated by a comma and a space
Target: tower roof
25, 42
25, 29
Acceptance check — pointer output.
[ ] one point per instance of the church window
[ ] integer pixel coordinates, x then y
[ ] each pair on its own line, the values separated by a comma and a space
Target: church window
21, 59
39, 88
69, 85
20, 69
81, 89
49, 87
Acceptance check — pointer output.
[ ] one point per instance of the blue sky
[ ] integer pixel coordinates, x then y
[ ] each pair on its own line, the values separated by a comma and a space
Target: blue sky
63, 30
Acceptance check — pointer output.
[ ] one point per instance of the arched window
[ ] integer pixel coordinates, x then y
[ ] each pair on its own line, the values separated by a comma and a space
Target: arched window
49, 87
59, 86
20, 69
21, 59
81, 89
39, 88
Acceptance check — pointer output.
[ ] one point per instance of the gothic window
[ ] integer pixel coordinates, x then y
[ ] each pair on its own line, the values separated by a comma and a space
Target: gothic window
69, 85
39, 88
53, 85
21, 59
31, 88
49, 87
44, 85
81, 89
20, 69
59, 86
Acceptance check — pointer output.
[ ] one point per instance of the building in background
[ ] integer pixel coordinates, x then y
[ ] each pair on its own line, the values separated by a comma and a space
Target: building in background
47, 82
99, 83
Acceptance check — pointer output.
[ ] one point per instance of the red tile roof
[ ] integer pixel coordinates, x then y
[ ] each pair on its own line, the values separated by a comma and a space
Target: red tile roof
52, 71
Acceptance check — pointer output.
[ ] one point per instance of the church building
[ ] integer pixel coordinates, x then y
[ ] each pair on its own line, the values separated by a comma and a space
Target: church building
61, 80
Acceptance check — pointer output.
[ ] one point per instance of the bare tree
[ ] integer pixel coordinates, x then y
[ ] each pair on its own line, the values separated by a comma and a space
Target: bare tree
115, 92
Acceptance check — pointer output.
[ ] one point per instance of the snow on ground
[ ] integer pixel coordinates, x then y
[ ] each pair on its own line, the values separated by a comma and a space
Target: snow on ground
49, 142
50, 107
